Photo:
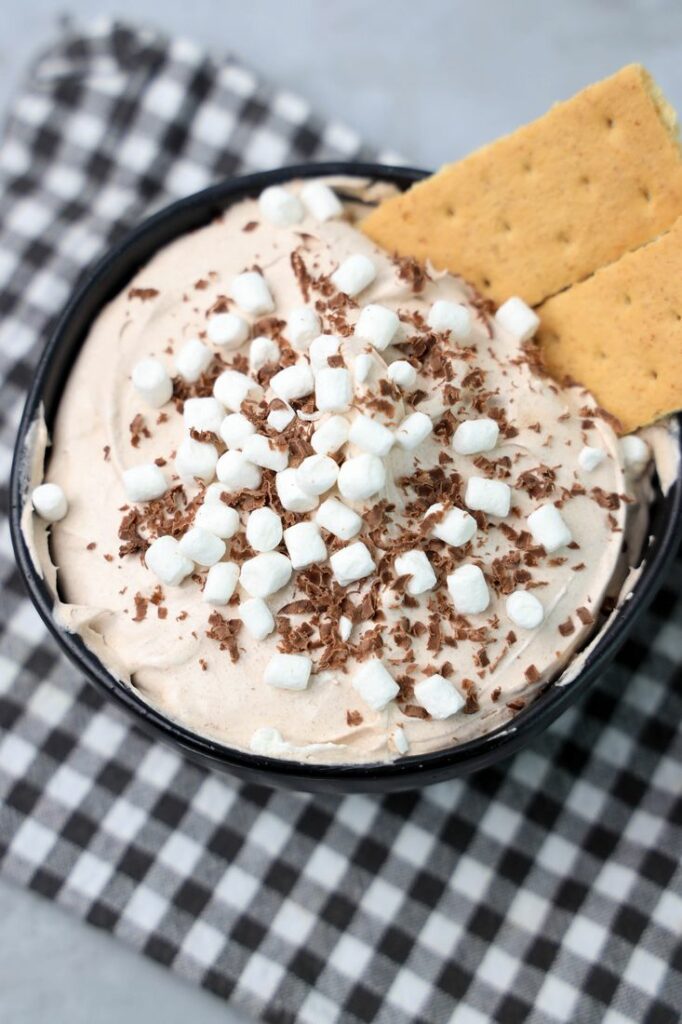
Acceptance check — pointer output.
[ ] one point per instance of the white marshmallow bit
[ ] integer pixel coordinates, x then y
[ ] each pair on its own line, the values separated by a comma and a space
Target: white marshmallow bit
316, 474
352, 563
279, 419
263, 529
237, 473
474, 436
548, 528
218, 518
416, 565
201, 546
400, 741
265, 574
144, 483
280, 207
221, 583
50, 502
251, 293
524, 609
305, 545
468, 590
333, 389
438, 696
402, 374
414, 429
232, 387
288, 671
377, 325
362, 367
303, 325
361, 477
354, 275
338, 519
456, 527
590, 458
330, 435
290, 494
321, 348
259, 449
293, 382
229, 330
257, 618
635, 453
490, 496
375, 684
345, 628
321, 201
203, 414
196, 460
214, 494
262, 351
518, 318
165, 559
152, 382
235, 428
450, 318
371, 436
193, 359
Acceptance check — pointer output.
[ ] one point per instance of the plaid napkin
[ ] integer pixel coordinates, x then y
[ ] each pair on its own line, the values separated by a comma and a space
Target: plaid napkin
544, 890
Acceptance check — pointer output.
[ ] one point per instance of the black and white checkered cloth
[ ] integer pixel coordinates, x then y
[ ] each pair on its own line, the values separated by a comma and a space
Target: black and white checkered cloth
544, 890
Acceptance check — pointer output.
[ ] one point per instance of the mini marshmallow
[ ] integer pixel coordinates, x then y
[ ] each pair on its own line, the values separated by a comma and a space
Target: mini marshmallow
263, 529
193, 359
221, 583
288, 671
438, 696
456, 527
356, 273
201, 546
251, 293
213, 495
371, 436
280, 418
330, 435
265, 574
257, 618
468, 590
361, 477
293, 382
280, 207
352, 563
144, 483
333, 389
203, 414
303, 325
377, 325
293, 499
196, 460
152, 382
338, 519
635, 453
416, 565
414, 429
400, 741
305, 545
218, 518
321, 348
490, 496
316, 474
165, 559
50, 502
232, 387
345, 628
362, 367
517, 318
229, 330
262, 351
548, 528
375, 684
237, 473
589, 458
450, 318
259, 449
402, 374
235, 428
474, 436
524, 609
320, 201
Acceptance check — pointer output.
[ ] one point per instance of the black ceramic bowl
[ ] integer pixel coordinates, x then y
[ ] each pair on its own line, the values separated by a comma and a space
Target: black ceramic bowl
106, 280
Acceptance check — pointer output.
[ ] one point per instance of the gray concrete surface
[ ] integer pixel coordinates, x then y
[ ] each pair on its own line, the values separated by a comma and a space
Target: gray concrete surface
430, 80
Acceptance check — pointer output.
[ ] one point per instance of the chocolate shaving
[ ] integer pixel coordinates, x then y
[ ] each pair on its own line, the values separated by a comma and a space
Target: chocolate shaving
225, 632
143, 293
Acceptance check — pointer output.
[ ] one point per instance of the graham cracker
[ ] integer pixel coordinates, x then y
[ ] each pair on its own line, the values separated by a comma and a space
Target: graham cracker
546, 206
620, 333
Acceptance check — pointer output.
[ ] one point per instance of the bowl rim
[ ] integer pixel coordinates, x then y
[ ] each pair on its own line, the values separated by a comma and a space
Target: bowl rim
119, 263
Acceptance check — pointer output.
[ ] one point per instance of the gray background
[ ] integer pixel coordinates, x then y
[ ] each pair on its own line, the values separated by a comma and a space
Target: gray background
431, 80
